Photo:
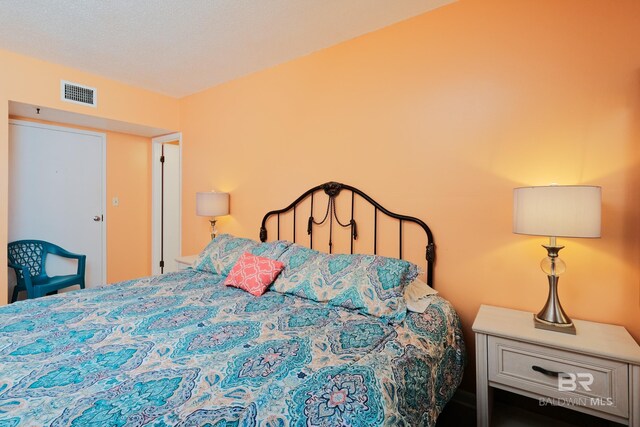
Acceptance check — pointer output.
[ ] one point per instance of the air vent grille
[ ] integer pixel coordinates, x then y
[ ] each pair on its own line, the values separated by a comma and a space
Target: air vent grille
78, 94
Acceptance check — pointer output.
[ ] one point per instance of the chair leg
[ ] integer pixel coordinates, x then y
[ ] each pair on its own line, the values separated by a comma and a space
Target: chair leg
82, 284
14, 296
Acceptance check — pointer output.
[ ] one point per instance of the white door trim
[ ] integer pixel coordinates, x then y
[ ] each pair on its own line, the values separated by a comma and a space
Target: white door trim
156, 189
103, 199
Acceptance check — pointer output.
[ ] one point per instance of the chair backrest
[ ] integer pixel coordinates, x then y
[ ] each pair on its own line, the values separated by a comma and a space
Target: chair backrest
30, 253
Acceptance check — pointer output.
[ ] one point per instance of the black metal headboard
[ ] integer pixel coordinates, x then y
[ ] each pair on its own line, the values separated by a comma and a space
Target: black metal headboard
332, 189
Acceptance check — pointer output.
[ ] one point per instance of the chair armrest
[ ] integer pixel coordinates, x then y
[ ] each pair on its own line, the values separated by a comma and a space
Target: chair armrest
82, 259
56, 250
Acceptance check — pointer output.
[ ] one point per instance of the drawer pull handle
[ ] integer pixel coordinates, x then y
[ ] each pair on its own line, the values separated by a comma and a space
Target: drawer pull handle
549, 373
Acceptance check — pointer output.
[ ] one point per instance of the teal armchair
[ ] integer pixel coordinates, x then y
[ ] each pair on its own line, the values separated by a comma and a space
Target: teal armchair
28, 258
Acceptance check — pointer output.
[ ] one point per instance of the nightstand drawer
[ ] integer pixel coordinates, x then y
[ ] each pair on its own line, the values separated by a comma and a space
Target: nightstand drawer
592, 382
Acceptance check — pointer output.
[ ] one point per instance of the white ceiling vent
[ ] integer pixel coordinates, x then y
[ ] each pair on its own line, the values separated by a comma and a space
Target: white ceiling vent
78, 94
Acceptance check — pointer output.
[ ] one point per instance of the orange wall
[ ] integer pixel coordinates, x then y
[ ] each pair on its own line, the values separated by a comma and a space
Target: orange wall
129, 224
37, 82
33, 81
440, 117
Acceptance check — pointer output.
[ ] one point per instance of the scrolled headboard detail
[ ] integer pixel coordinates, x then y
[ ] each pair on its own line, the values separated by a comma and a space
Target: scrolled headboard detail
333, 189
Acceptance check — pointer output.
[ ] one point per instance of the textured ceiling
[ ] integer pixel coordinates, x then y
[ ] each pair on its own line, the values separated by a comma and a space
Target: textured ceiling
179, 47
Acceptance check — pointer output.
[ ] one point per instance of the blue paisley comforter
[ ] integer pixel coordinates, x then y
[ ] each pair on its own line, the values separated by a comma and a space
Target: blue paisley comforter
181, 349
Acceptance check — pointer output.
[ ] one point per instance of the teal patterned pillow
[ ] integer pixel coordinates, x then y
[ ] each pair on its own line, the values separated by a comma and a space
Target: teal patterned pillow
371, 284
223, 252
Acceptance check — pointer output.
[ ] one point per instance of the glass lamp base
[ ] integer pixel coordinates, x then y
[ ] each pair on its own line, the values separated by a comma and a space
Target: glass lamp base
214, 230
552, 317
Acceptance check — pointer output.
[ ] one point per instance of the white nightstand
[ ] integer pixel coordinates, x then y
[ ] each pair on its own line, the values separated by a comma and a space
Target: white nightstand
183, 262
596, 371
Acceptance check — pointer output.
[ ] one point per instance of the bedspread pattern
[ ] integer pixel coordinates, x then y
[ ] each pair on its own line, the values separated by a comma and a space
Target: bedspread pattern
181, 349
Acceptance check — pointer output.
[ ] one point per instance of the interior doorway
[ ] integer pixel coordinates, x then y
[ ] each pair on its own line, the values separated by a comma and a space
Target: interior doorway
57, 188
166, 242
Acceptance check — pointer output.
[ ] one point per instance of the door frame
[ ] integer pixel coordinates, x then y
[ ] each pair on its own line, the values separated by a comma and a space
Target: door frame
156, 193
103, 200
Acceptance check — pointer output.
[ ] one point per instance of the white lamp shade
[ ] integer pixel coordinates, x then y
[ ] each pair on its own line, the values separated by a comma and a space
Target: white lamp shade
557, 211
211, 203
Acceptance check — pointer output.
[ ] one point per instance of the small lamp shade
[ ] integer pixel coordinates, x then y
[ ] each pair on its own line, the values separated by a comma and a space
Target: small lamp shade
557, 211
211, 203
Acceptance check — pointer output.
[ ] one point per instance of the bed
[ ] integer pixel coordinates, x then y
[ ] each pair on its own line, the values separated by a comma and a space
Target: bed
183, 349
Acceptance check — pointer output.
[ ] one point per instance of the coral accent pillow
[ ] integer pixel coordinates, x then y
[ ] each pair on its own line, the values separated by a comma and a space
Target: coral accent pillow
253, 273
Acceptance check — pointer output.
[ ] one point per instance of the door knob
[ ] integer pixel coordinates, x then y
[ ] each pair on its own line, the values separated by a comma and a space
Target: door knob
97, 218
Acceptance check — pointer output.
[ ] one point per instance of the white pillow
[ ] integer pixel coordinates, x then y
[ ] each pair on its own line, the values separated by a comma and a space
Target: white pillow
416, 295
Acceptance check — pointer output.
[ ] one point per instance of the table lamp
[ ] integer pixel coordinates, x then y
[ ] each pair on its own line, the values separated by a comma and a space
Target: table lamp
556, 211
212, 204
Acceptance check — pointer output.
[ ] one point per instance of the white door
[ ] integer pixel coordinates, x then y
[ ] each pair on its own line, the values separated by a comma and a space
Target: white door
166, 203
57, 193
